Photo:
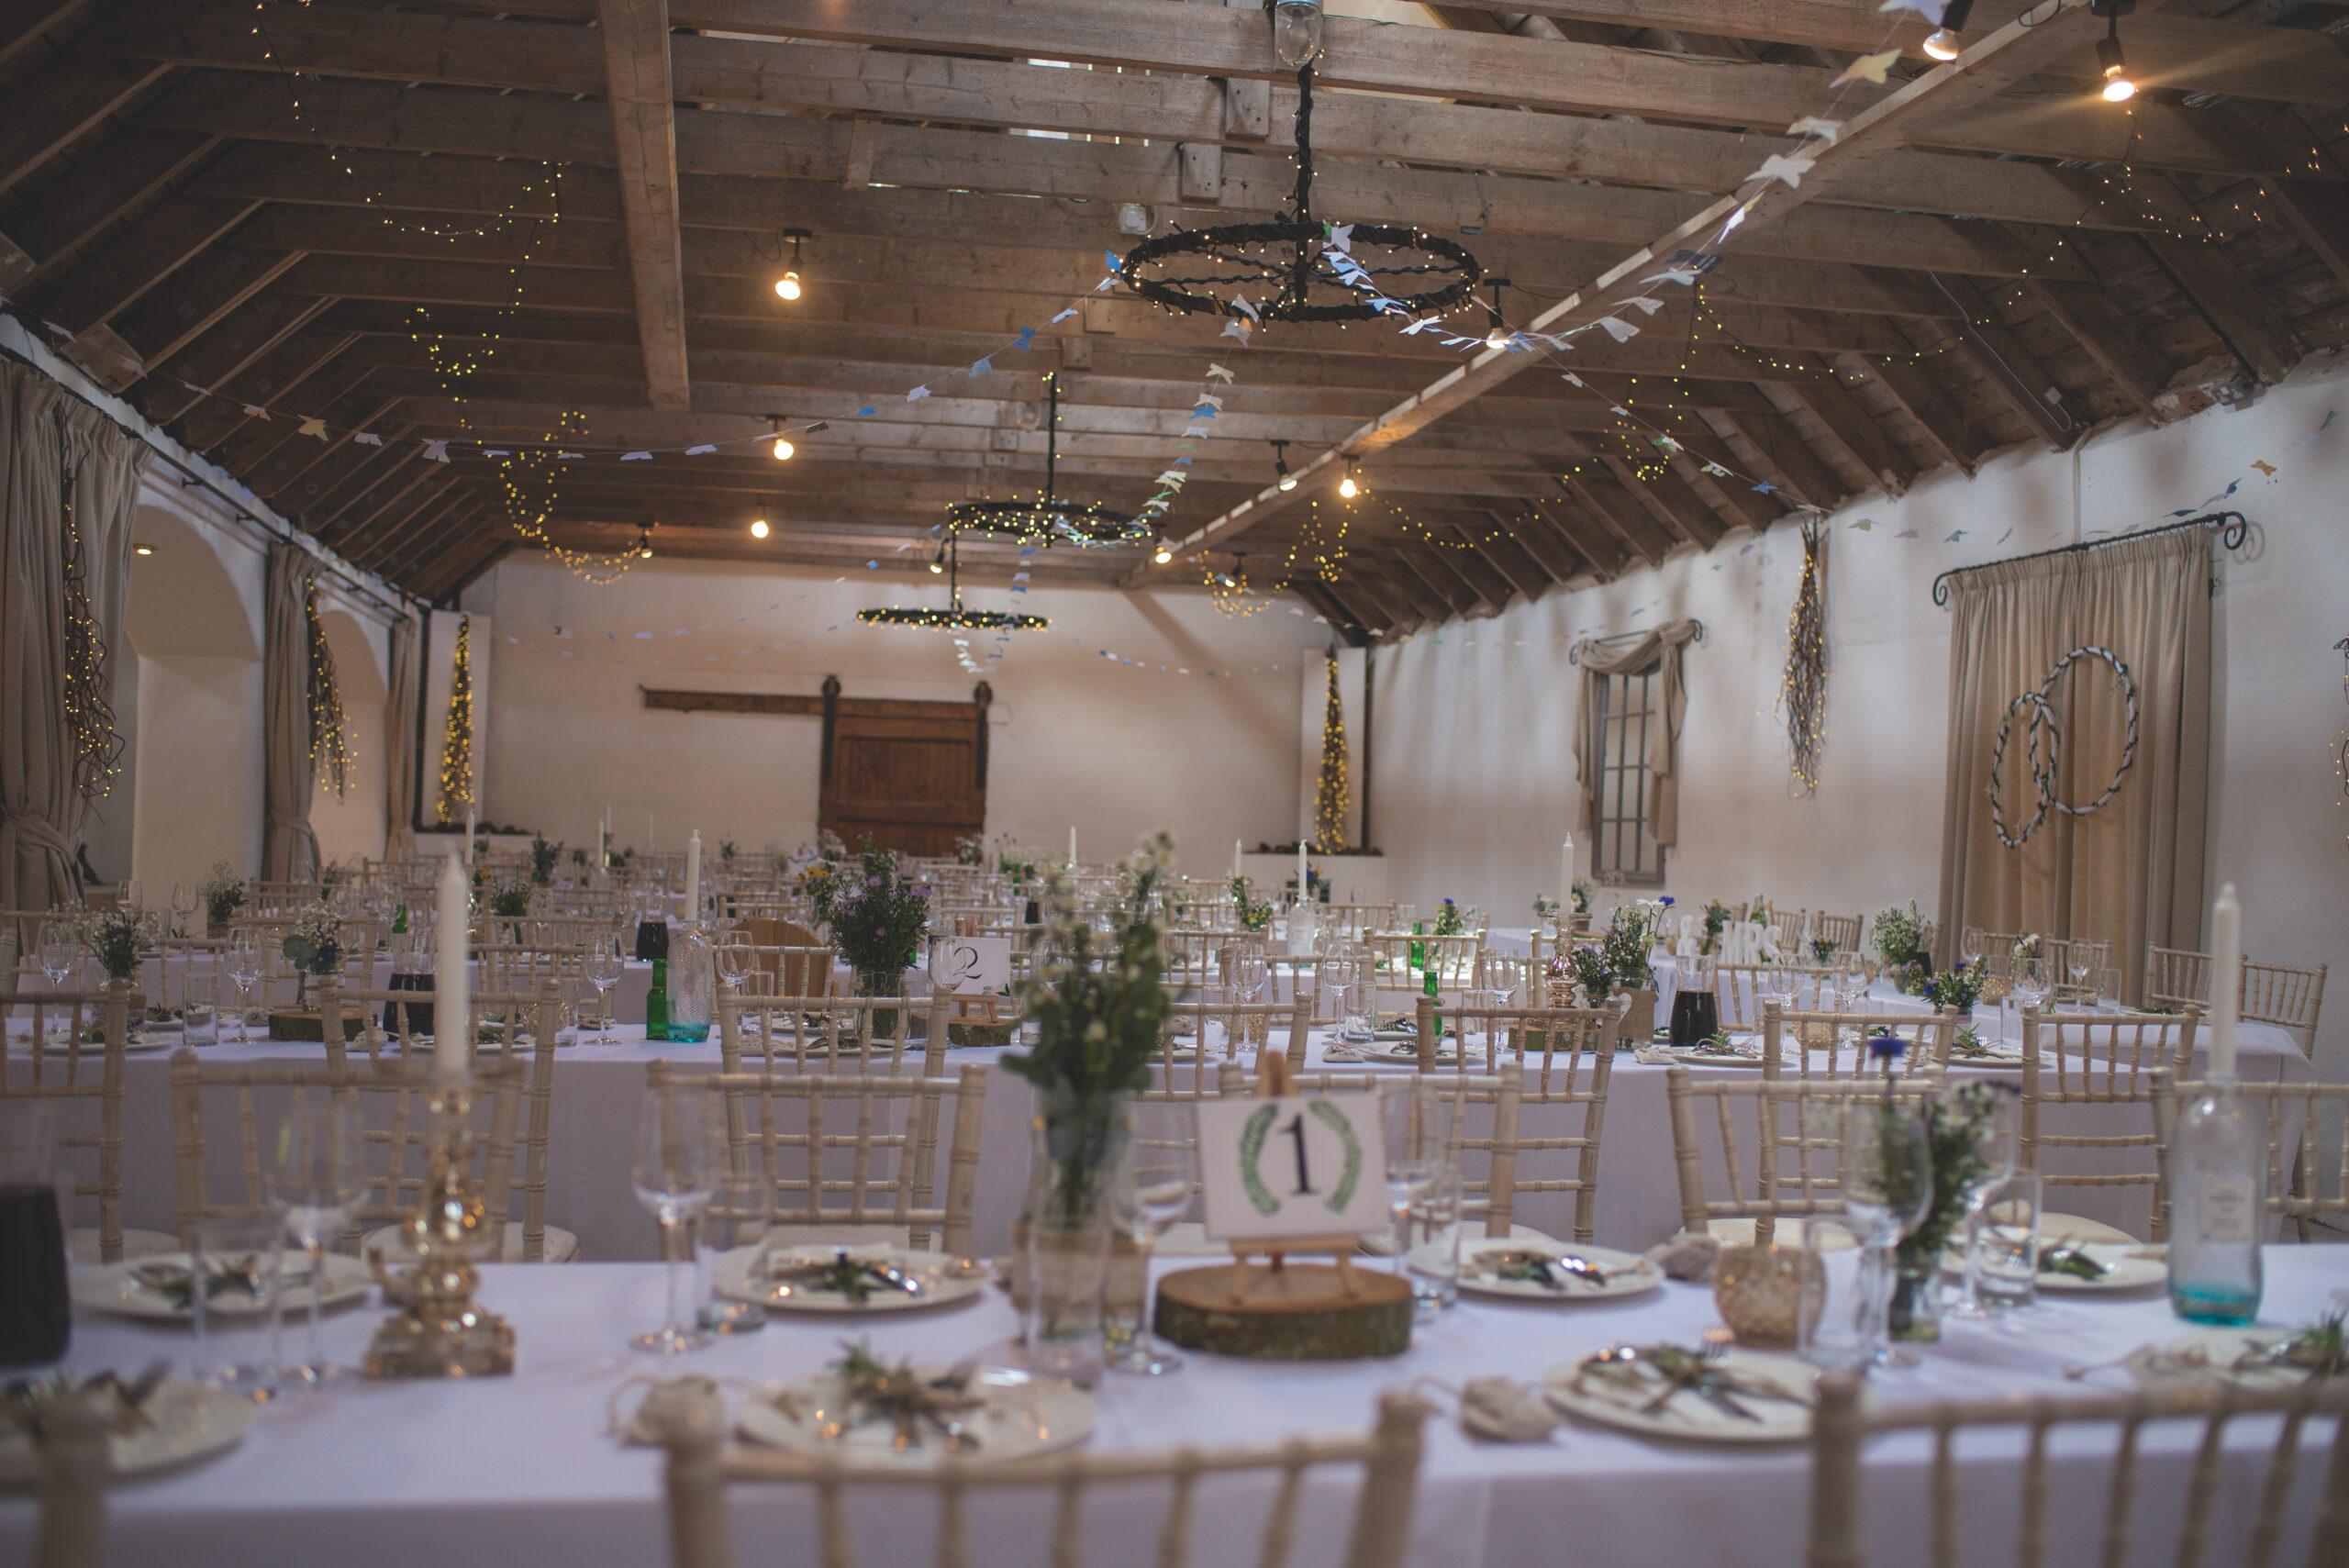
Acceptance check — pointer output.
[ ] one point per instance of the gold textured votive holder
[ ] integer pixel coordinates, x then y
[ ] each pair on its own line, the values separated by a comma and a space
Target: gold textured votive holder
438, 1332
1761, 1293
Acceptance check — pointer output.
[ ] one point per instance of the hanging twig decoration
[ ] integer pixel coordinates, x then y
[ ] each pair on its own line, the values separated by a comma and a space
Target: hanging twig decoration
457, 739
1803, 696
1330, 802
330, 737
2340, 758
89, 716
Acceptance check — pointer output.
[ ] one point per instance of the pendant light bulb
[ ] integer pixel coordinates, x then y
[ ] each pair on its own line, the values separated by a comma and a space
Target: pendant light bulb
1348, 488
1297, 32
758, 528
1280, 465
1944, 42
1941, 44
1163, 555
787, 285
2118, 88
784, 450
1288, 481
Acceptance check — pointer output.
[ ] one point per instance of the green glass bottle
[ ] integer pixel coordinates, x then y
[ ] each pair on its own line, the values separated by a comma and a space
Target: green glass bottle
1418, 949
399, 921
656, 1002
1428, 986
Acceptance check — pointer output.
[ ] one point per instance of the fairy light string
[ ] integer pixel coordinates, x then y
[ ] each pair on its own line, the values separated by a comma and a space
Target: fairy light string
89, 716
457, 735
1332, 796
330, 733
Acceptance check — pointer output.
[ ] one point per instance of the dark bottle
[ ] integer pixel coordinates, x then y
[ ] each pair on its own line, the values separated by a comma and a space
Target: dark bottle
652, 941
656, 1002
36, 1317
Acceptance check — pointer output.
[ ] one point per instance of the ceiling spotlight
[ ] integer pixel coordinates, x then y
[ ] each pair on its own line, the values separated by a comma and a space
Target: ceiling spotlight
758, 528
1943, 42
787, 285
1163, 555
1280, 465
1349, 486
643, 542
937, 562
784, 450
1496, 333
143, 549
2118, 88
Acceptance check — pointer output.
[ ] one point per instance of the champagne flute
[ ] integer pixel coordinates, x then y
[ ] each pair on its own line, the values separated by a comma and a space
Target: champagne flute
313, 1179
244, 967
677, 1159
1163, 1173
604, 968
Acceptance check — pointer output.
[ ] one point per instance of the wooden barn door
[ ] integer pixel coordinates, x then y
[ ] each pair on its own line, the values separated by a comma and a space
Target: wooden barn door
913, 774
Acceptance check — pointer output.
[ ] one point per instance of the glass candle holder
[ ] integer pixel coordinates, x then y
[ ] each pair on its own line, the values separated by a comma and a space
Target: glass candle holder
1762, 1295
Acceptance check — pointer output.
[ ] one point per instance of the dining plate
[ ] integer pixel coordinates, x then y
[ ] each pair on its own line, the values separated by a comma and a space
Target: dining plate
185, 1421
1482, 1260
2221, 1350
1012, 1417
938, 1280
130, 1289
2126, 1268
1408, 1051
1625, 1397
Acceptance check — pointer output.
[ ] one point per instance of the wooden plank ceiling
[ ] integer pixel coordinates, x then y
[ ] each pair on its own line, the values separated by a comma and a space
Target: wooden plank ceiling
501, 223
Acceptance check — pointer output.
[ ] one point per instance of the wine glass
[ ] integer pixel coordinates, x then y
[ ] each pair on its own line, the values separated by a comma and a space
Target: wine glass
314, 1178
243, 961
945, 973
735, 959
1887, 1177
1970, 943
1333, 975
1498, 975
2031, 982
741, 1205
57, 961
1163, 1171
1999, 1158
604, 968
2081, 960
182, 907
1249, 972
678, 1156
1411, 1115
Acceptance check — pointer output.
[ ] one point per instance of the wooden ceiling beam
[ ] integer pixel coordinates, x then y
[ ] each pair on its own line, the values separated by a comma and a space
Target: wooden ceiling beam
1850, 424
1433, 578
244, 453
277, 375
1750, 509
1559, 561
1328, 604
1402, 584
299, 471
1669, 501
1387, 607
331, 514
72, 207
1942, 419
465, 566
2254, 330
2113, 340
1620, 514
1509, 557
201, 294
377, 115
168, 237
2320, 215
62, 102
406, 555
782, 75
2010, 371
1568, 522
225, 349
643, 105
411, 506
25, 23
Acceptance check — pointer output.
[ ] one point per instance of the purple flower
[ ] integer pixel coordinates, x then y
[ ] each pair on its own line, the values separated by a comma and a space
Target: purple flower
1887, 1046
1666, 901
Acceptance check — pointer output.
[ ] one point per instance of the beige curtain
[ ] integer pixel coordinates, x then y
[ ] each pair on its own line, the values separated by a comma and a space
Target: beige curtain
399, 743
289, 850
2130, 874
45, 432
1664, 644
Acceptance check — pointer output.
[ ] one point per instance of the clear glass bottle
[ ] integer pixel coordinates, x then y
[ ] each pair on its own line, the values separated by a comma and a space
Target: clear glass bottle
2218, 1208
693, 977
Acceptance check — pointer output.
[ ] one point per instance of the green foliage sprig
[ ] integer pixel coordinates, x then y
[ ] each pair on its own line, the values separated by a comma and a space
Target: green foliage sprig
543, 856
1251, 914
1957, 989
223, 892
878, 917
1955, 1123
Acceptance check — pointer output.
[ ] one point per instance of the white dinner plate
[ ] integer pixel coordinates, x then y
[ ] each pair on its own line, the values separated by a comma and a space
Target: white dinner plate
2124, 1271
1596, 1396
117, 1288
1017, 1417
185, 1421
1408, 1051
942, 1280
1627, 1273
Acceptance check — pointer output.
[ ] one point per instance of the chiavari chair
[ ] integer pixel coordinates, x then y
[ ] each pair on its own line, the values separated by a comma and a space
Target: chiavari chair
1764, 1126
86, 1068
1741, 991
1799, 1039
2101, 1059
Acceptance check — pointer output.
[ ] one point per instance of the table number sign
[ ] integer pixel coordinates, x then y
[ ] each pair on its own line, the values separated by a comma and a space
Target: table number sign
1292, 1167
972, 964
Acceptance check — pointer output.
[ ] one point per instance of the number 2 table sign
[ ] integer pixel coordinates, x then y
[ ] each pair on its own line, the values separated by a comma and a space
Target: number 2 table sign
1283, 1174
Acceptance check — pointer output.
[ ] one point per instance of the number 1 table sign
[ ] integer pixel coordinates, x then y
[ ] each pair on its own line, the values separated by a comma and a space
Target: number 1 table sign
1280, 1175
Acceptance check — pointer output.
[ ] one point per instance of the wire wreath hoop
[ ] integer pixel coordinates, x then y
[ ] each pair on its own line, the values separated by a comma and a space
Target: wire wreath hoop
1236, 255
2043, 774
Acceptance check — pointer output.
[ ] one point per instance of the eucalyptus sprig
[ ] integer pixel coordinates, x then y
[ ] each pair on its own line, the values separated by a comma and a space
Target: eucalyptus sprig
2320, 1350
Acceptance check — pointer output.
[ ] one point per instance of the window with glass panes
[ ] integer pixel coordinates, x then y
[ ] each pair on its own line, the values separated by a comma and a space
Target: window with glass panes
1630, 719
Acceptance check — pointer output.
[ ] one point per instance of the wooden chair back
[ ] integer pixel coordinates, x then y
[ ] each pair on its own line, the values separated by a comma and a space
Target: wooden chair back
1767, 1127
1845, 931
2280, 995
1221, 1029
2103, 1059
80, 1069
1835, 1044
2141, 1464
1741, 990
2175, 978
1559, 1063
2321, 1144
838, 1034
692, 1422
851, 1155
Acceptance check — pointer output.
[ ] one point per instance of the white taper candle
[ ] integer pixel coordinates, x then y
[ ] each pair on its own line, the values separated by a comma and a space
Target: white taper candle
2226, 980
693, 876
451, 1005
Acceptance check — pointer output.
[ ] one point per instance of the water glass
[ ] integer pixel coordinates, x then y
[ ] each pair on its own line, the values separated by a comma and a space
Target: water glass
314, 1179
1162, 1173
1833, 1322
2107, 989
1432, 1259
241, 1241
741, 1204
1333, 976
2002, 1262
1412, 1116
679, 1153
57, 960
199, 1009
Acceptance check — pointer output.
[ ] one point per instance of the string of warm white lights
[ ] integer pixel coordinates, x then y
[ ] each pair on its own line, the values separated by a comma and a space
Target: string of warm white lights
329, 734
1332, 796
457, 737
89, 717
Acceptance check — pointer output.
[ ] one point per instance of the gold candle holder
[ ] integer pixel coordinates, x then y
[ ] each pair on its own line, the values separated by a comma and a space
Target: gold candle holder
439, 1332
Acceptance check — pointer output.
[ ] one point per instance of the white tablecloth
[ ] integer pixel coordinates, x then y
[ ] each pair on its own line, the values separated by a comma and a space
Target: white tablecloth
519, 1473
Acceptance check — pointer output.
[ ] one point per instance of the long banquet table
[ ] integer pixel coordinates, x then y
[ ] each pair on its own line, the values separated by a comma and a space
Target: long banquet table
597, 1086
500, 1472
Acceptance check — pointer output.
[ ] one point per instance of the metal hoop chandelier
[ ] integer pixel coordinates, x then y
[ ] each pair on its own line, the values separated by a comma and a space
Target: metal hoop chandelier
954, 618
1048, 519
1181, 271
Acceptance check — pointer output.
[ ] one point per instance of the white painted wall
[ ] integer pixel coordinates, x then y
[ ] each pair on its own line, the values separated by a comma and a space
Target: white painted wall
1475, 772
1112, 746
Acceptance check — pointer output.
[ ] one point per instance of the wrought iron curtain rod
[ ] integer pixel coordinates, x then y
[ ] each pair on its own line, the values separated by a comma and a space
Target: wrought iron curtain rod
1574, 654
2232, 527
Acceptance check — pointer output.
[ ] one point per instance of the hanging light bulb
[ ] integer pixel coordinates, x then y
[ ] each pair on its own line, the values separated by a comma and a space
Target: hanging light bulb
758, 528
1280, 465
787, 285
1163, 555
1943, 42
1347, 486
643, 542
937, 562
2118, 88
1297, 32
784, 450
1496, 330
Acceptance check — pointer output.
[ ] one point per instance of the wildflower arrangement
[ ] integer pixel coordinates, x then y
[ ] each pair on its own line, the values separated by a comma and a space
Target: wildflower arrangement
223, 892
1449, 921
1251, 915
1957, 989
543, 856
878, 917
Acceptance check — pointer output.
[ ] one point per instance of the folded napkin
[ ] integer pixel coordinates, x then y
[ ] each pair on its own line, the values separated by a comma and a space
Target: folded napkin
1335, 1051
1687, 1255
1499, 1409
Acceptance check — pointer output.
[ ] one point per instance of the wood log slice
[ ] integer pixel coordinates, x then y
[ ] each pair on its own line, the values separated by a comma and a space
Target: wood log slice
1297, 1312
304, 1023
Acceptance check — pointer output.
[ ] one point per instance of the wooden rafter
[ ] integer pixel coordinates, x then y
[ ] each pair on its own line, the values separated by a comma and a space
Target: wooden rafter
644, 131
